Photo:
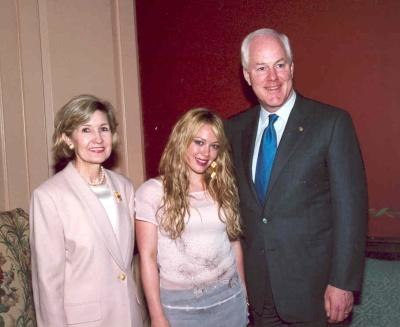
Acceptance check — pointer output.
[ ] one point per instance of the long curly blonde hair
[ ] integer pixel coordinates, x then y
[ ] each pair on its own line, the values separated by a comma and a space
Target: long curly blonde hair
219, 181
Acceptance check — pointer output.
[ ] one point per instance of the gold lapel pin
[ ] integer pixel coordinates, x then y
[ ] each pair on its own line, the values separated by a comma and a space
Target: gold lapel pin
301, 129
118, 196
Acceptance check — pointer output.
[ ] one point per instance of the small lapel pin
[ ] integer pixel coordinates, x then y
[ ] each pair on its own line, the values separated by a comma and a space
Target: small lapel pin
301, 129
118, 196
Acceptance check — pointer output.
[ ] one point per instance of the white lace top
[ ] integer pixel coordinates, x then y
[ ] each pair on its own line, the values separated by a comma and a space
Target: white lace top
203, 255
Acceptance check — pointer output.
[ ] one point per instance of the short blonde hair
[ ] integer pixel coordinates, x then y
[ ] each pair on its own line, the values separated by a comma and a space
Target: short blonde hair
73, 114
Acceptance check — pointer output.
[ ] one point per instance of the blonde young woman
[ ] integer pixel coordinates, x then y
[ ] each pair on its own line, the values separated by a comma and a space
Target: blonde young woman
187, 224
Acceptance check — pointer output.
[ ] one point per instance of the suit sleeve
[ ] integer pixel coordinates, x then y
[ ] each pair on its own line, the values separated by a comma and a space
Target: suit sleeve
349, 204
48, 260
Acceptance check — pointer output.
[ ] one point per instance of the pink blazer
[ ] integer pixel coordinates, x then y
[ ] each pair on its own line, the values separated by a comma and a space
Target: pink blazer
81, 270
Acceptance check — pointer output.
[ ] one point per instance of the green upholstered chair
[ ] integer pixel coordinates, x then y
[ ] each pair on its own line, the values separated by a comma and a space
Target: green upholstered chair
380, 297
16, 300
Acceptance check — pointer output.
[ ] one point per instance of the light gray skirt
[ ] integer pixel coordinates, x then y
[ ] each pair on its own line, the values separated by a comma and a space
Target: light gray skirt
221, 305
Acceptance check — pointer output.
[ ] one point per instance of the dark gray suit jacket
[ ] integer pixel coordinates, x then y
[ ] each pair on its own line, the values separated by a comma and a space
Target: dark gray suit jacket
311, 230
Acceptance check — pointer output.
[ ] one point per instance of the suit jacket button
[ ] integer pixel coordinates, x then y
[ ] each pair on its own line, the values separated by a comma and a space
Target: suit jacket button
121, 276
265, 220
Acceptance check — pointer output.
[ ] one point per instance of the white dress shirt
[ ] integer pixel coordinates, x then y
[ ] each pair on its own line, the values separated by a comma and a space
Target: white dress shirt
280, 124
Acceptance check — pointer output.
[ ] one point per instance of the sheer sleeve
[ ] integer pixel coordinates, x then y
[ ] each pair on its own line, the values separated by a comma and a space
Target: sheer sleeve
147, 201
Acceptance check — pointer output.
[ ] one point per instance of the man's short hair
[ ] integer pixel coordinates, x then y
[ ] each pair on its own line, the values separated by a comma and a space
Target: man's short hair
264, 32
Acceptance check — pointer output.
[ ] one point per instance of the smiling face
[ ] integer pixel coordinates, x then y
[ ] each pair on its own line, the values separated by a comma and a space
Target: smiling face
269, 72
92, 141
202, 151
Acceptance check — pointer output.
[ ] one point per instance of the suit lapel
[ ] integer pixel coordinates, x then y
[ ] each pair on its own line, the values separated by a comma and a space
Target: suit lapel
124, 218
249, 140
96, 213
292, 136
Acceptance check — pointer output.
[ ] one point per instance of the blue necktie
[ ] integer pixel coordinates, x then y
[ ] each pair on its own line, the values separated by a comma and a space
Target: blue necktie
266, 155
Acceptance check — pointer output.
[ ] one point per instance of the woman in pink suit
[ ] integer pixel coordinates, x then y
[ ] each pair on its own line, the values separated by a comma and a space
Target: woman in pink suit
82, 229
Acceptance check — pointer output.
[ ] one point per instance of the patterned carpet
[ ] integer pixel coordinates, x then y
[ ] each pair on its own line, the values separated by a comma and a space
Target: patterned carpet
380, 300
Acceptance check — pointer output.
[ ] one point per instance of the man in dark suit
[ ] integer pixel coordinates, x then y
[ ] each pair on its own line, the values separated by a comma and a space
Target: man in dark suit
302, 195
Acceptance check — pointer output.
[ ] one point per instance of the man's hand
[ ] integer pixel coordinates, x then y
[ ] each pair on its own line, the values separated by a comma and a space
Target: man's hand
338, 303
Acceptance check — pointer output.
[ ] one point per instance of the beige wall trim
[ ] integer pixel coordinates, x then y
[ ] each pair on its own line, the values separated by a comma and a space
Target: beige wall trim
48, 104
128, 89
4, 199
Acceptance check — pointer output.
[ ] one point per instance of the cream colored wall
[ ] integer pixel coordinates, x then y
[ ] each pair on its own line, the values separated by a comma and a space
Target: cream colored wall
51, 50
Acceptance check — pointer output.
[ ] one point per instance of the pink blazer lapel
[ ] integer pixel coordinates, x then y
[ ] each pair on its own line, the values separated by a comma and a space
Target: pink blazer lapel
125, 228
96, 214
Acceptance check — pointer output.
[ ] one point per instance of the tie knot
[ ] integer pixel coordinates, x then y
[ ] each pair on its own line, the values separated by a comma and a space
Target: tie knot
272, 118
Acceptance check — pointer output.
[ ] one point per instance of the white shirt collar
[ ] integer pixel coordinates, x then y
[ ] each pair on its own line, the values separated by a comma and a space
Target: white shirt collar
283, 112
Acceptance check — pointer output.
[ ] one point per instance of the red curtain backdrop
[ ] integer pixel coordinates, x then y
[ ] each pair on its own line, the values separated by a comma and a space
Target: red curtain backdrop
346, 53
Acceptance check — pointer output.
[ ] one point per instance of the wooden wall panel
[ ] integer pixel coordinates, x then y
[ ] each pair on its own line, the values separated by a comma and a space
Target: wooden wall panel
128, 91
13, 125
52, 50
81, 50
38, 149
3, 171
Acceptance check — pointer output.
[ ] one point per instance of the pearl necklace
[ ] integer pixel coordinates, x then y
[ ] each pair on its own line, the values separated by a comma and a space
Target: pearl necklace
100, 180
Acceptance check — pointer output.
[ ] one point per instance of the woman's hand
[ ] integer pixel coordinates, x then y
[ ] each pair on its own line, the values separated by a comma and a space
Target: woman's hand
160, 322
